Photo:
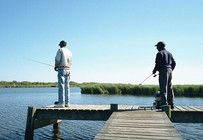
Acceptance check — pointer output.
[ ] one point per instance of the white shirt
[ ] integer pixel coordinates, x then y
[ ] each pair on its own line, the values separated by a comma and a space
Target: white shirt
63, 58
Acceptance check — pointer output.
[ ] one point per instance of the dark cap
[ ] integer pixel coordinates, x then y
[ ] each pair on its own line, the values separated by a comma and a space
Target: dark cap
62, 43
161, 44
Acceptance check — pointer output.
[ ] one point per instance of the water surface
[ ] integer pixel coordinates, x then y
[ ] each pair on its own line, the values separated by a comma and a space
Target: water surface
14, 103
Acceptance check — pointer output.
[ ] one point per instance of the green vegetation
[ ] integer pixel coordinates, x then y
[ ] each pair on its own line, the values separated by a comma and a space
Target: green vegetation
26, 84
106, 88
124, 89
188, 90
146, 90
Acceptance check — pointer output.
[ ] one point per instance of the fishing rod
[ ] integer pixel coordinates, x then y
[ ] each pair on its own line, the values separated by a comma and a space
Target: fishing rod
38, 62
43, 64
148, 78
145, 79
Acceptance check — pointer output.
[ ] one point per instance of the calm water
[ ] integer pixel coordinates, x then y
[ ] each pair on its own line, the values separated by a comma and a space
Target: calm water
14, 103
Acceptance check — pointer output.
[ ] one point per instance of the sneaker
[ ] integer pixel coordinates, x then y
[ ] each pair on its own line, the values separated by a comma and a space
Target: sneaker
59, 106
67, 105
56, 102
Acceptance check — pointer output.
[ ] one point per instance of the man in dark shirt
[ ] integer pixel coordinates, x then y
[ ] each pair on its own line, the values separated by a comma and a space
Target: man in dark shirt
165, 64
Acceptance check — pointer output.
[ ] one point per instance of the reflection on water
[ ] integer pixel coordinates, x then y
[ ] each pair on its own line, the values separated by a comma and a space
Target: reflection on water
57, 134
14, 103
190, 130
71, 130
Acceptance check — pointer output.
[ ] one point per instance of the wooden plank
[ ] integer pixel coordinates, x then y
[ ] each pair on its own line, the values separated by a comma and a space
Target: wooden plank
145, 131
195, 108
158, 131
135, 107
89, 107
141, 121
188, 108
139, 113
78, 107
135, 136
102, 107
140, 124
122, 107
175, 109
129, 107
50, 106
106, 107
95, 107
199, 107
181, 108
145, 108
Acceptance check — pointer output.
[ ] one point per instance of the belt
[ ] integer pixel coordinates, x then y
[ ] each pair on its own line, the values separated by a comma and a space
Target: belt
65, 68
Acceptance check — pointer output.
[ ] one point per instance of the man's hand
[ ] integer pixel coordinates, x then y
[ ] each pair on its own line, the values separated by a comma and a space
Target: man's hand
154, 71
69, 76
55, 68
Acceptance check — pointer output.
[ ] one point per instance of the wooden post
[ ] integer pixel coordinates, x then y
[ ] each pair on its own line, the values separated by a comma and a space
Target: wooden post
167, 109
57, 124
29, 132
114, 107
42, 123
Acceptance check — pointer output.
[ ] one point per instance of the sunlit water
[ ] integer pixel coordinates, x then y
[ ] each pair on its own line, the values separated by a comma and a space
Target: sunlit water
14, 103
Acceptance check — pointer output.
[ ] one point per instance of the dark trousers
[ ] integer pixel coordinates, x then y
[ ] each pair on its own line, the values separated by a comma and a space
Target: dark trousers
165, 84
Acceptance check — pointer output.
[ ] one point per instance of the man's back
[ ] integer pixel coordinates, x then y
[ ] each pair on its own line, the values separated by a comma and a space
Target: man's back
63, 58
165, 59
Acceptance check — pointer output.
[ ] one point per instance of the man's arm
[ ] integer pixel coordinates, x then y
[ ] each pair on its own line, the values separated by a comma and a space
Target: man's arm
173, 63
157, 63
57, 60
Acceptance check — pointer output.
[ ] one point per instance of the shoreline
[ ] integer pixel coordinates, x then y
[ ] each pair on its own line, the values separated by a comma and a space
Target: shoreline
112, 89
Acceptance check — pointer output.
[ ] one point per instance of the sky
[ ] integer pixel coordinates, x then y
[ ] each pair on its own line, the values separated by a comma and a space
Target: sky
112, 41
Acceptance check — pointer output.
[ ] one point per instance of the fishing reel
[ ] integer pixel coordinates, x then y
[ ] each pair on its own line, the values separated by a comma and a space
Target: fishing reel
157, 102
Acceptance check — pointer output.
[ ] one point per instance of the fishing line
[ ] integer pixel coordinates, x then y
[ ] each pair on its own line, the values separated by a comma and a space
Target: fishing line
38, 62
148, 78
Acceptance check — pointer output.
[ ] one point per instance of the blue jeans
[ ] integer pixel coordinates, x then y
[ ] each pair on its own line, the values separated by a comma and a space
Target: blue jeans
64, 88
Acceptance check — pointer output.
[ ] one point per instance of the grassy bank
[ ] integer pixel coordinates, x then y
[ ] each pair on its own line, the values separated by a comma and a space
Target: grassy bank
106, 88
147, 90
27, 84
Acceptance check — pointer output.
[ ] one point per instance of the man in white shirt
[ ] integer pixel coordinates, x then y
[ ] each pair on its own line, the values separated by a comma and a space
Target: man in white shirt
63, 61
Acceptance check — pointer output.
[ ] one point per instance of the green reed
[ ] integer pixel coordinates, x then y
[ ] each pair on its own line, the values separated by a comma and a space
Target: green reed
107, 88
146, 90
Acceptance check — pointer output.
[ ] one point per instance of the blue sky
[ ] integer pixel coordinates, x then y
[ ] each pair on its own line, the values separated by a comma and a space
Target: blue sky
112, 41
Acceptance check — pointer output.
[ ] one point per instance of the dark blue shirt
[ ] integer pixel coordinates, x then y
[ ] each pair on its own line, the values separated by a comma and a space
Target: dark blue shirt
164, 59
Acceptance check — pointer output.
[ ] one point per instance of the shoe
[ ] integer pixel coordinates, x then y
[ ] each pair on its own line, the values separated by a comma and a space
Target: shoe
59, 106
67, 105
56, 102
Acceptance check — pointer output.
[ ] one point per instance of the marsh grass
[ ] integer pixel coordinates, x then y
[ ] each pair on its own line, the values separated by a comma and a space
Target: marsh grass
107, 88
146, 90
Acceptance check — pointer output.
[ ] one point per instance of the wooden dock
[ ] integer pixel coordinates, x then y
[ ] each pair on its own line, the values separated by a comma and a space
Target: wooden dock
187, 114
138, 124
40, 117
